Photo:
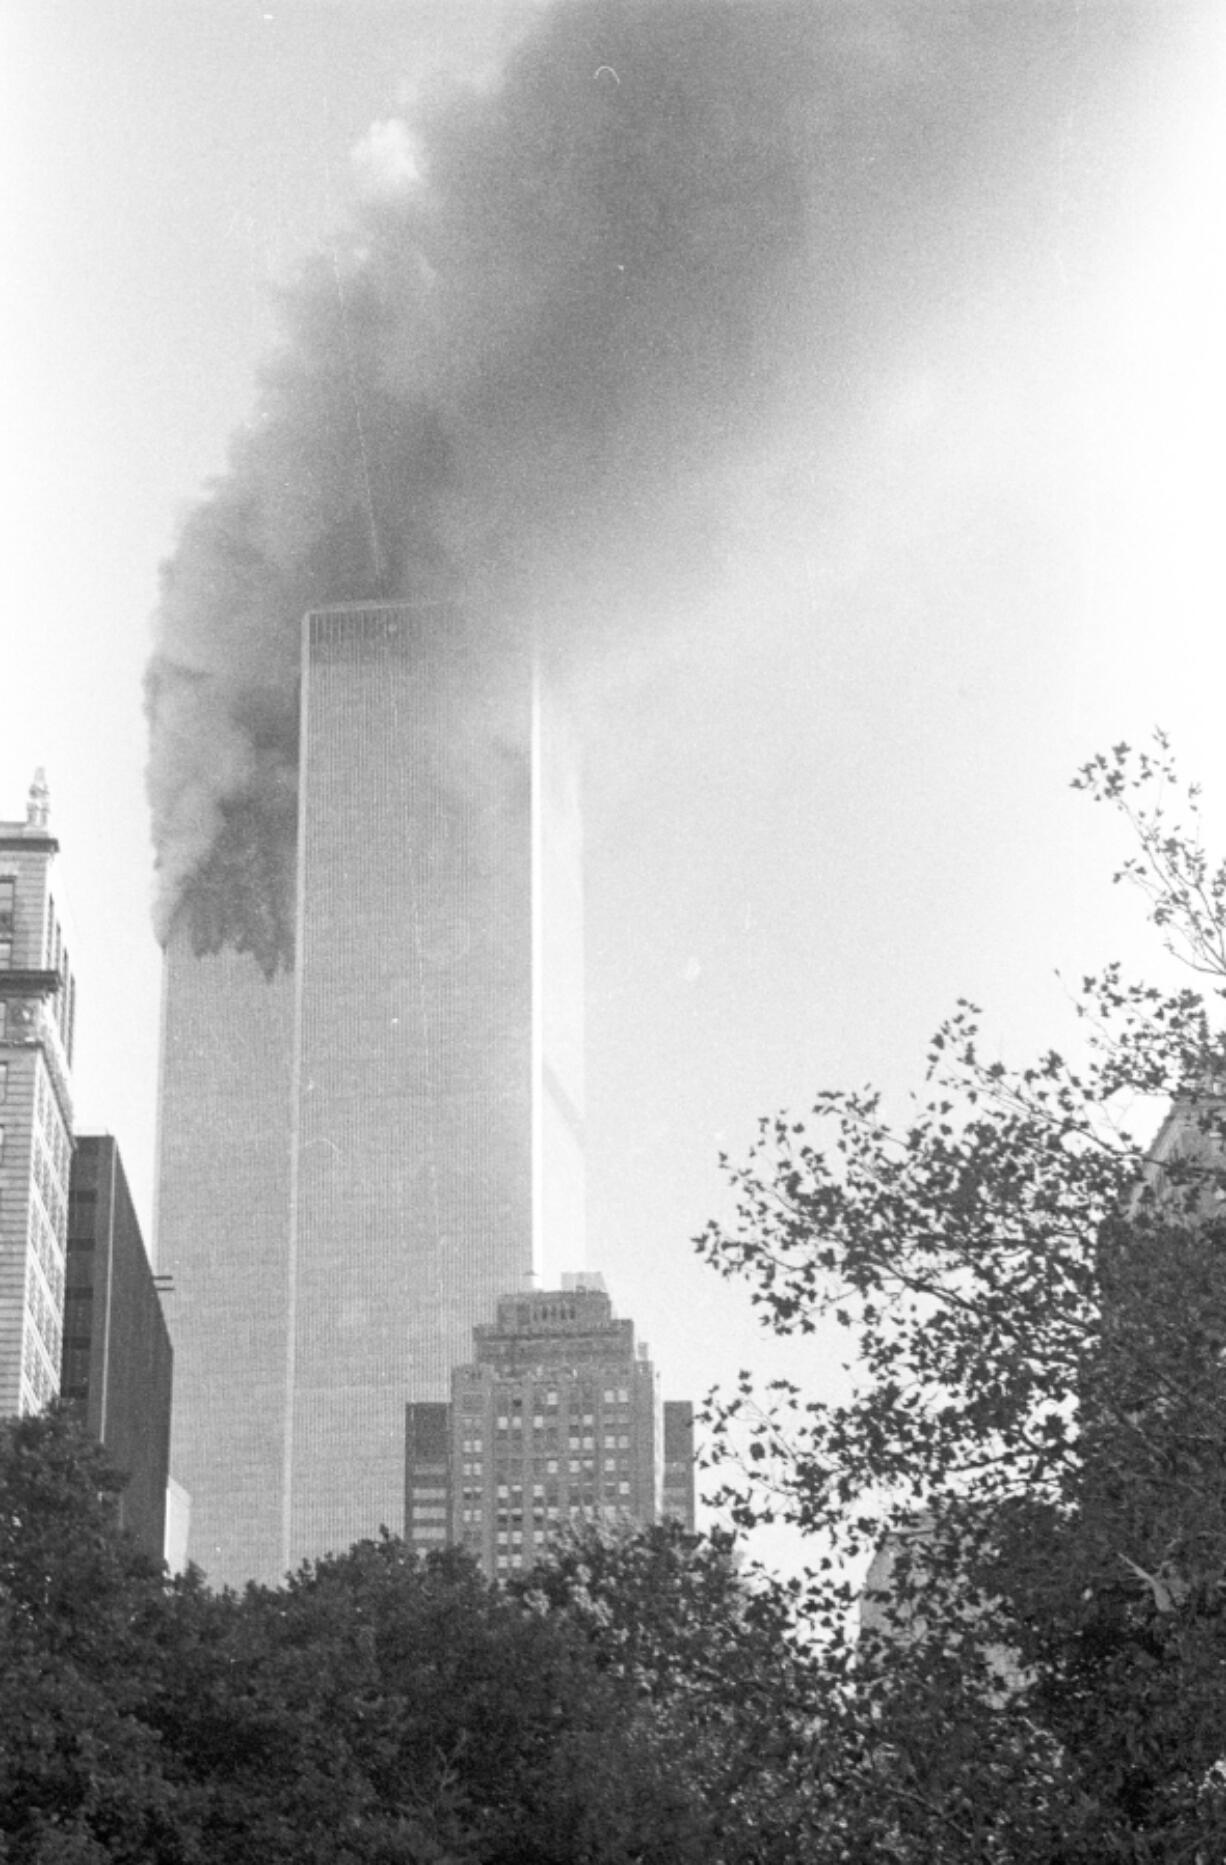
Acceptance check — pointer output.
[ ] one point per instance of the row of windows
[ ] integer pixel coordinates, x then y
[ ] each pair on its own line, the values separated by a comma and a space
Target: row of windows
585, 1484
47, 1252
55, 958
548, 1511
514, 1537
44, 1314
37, 1371
549, 1396
509, 1561
74, 1370
54, 1202
553, 1444
51, 1124
612, 1460
54, 1136
576, 1422
509, 1494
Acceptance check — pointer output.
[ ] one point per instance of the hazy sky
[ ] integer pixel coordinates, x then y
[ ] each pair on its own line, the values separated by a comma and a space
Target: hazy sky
949, 521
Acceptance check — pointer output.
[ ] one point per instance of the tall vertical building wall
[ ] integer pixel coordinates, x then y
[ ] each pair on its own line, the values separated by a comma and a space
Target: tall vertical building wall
37, 1010
223, 1241
117, 1361
358, 1158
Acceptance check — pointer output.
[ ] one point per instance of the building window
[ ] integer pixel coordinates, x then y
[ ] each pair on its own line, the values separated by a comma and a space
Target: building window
4, 1081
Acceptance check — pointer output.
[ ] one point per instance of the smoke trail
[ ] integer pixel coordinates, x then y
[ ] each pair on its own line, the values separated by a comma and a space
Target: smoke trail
587, 285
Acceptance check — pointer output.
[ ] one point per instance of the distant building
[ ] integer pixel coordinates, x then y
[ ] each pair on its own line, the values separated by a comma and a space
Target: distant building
117, 1360
677, 1500
37, 1009
556, 1419
356, 1156
1185, 1163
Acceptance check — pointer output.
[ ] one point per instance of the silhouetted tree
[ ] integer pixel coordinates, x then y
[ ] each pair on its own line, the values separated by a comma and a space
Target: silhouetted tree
1033, 1441
375, 1709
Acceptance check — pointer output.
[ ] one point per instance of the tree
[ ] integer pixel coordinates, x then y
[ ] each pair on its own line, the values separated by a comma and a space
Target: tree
1035, 1306
377, 1708
711, 1650
80, 1771
374, 1710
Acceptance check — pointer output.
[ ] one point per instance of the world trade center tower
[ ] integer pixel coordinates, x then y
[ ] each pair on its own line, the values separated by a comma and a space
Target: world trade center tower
358, 1156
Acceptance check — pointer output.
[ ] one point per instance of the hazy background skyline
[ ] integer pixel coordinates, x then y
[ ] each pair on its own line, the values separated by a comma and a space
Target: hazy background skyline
952, 527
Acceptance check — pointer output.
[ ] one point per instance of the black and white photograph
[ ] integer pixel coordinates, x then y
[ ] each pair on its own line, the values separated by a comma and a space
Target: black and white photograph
612, 932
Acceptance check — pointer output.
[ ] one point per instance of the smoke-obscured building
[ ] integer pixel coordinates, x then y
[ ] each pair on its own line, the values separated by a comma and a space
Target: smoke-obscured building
557, 1418
359, 1155
37, 1008
117, 1361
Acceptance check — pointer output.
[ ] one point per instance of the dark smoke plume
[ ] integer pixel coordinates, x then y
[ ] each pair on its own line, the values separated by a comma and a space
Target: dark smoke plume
600, 282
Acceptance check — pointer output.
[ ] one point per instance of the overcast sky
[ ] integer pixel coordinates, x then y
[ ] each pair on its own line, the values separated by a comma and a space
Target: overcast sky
968, 532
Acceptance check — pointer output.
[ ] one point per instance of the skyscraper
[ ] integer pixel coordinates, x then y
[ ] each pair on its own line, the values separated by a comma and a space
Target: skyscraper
37, 1010
556, 1418
358, 1156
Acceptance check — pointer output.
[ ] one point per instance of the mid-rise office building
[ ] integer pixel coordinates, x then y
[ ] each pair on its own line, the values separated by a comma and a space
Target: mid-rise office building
117, 1360
37, 1011
557, 1418
358, 1155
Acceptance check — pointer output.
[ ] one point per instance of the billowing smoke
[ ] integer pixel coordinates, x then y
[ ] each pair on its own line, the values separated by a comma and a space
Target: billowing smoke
569, 295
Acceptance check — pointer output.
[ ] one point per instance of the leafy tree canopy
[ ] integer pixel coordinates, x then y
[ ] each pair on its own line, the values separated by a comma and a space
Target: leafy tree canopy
376, 1709
1033, 1446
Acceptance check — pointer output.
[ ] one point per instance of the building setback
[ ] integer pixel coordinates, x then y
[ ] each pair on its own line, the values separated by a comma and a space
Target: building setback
357, 1157
557, 1418
37, 1008
117, 1361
